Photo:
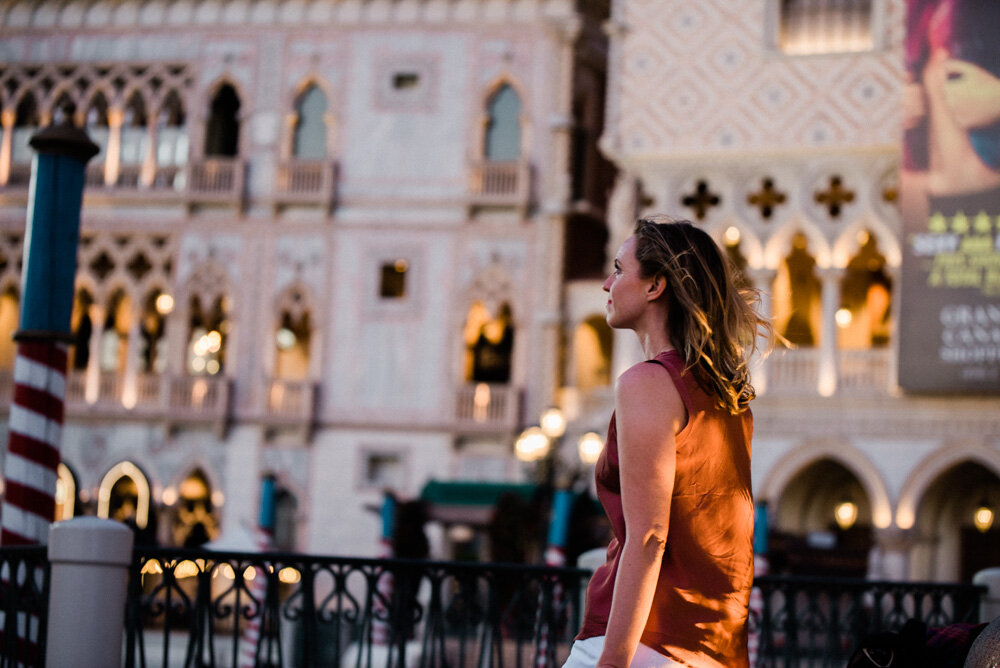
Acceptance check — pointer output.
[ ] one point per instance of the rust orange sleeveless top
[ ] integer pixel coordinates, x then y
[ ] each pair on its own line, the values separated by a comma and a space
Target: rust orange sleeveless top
699, 610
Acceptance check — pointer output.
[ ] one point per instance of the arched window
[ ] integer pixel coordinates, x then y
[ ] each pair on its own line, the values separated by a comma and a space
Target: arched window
797, 304
9, 310
124, 496
83, 329
152, 330
114, 336
592, 343
953, 547
222, 134
134, 131
95, 119
292, 341
489, 341
171, 136
503, 126
823, 523
207, 329
309, 142
65, 493
26, 122
863, 320
195, 519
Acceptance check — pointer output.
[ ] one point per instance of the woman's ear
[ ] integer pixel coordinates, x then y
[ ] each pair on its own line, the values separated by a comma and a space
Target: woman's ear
657, 287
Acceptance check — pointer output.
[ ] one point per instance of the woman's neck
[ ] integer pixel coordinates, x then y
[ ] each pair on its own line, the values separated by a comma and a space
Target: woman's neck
653, 342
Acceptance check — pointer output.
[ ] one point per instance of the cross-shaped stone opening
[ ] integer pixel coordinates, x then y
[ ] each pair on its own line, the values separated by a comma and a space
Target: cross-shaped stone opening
834, 197
701, 200
767, 198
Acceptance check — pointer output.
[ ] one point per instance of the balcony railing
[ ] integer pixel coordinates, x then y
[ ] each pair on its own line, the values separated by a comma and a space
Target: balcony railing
500, 184
487, 407
306, 182
216, 180
197, 607
185, 398
793, 371
290, 401
860, 371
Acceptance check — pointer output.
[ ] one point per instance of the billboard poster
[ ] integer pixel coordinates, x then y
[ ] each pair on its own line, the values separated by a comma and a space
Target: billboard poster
949, 317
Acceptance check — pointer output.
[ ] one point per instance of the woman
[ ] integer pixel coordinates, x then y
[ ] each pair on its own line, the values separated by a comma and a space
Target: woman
674, 477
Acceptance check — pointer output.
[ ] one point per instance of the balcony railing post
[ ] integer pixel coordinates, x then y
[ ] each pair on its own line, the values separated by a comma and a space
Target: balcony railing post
90, 559
989, 607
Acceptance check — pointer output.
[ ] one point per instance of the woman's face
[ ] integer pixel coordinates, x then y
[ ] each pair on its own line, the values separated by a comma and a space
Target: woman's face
627, 289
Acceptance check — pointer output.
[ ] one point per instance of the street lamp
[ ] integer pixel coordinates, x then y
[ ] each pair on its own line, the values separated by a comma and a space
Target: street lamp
532, 445
589, 447
845, 513
983, 516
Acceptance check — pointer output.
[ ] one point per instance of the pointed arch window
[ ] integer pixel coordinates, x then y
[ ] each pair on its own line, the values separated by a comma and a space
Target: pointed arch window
9, 310
114, 335
864, 316
503, 126
152, 332
207, 337
172, 136
134, 130
292, 341
222, 134
195, 520
95, 119
26, 122
489, 343
592, 342
309, 141
124, 495
797, 312
66, 493
83, 329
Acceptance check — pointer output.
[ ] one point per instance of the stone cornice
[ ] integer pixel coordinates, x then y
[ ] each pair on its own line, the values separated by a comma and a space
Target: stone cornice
133, 14
878, 416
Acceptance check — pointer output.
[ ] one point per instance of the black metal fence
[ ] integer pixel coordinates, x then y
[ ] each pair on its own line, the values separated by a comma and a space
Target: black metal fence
24, 602
200, 608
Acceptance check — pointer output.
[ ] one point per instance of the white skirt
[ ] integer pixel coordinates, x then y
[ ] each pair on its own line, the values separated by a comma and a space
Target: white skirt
585, 654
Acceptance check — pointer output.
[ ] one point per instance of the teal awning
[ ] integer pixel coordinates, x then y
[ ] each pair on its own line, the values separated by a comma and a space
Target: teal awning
468, 493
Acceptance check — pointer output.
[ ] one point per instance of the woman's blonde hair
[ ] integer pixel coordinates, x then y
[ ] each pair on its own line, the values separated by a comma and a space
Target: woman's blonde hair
712, 318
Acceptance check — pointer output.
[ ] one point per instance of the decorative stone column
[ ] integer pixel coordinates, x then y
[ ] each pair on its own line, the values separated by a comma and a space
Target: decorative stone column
827, 372
92, 377
891, 554
7, 119
148, 174
113, 153
763, 281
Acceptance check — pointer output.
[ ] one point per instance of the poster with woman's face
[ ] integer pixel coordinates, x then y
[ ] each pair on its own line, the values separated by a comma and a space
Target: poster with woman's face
950, 198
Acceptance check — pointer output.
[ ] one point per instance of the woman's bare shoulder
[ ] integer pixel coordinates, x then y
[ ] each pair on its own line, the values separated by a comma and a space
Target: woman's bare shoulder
645, 380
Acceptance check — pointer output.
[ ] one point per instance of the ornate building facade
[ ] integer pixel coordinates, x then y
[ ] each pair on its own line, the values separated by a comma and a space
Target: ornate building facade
778, 126
322, 241
359, 244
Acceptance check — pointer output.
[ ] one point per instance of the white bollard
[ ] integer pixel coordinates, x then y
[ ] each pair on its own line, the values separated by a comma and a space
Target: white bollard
90, 559
989, 609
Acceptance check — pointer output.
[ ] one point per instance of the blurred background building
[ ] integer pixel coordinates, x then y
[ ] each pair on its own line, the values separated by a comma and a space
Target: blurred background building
359, 245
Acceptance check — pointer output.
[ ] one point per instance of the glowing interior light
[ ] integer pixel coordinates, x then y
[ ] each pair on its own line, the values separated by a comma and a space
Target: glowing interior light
843, 317
553, 423
164, 304
845, 513
169, 496
289, 575
212, 367
284, 338
732, 235
983, 518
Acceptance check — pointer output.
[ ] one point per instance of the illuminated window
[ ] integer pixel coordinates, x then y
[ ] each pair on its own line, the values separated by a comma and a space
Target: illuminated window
797, 303
864, 317
393, 279
824, 26
489, 344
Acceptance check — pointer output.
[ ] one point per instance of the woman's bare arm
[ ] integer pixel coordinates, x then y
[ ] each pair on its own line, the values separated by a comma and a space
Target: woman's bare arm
649, 412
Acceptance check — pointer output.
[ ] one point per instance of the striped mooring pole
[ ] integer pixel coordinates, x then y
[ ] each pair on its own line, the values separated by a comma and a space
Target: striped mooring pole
36, 412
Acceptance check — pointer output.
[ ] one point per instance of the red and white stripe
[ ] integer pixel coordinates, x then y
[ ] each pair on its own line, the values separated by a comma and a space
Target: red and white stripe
250, 637
32, 461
